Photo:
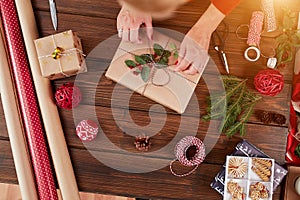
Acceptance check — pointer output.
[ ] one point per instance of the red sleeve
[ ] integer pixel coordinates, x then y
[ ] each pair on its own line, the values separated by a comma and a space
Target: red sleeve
225, 6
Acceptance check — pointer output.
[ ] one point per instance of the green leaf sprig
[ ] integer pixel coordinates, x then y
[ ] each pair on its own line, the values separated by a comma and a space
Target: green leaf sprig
160, 59
288, 39
235, 106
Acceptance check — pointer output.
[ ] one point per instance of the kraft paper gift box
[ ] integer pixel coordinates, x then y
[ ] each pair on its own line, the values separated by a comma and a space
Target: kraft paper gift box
60, 55
171, 89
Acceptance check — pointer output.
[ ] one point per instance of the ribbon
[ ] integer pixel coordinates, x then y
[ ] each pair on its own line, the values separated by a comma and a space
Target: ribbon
190, 152
58, 52
28, 102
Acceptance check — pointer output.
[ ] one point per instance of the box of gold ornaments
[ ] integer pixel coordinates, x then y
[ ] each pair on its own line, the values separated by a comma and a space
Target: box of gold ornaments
60, 55
248, 178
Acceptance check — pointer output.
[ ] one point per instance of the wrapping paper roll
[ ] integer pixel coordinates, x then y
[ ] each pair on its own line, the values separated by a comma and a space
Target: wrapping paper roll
14, 127
28, 102
58, 148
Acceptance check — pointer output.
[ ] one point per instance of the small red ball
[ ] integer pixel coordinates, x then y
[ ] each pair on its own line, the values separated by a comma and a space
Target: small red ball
269, 82
68, 96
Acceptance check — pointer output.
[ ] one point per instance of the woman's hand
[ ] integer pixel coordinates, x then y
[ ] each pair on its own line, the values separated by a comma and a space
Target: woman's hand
129, 22
193, 54
193, 51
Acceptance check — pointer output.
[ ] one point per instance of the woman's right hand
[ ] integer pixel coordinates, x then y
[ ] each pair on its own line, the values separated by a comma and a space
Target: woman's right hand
129, 22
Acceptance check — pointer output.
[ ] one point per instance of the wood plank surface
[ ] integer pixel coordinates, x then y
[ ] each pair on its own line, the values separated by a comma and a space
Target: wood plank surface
12, 192
153, 185
95, 22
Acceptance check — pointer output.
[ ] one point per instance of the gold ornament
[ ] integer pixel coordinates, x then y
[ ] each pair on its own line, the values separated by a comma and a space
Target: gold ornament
57, 53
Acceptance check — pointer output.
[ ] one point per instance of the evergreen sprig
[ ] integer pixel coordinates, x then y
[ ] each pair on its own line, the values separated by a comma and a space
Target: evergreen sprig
288, 39
234, 107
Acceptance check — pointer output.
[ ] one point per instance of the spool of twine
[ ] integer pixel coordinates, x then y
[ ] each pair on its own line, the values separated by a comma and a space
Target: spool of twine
189, 151
255, 28
267, 7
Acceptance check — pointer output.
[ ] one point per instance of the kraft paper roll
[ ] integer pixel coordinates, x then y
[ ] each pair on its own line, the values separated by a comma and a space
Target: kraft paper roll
15, 128
58, 148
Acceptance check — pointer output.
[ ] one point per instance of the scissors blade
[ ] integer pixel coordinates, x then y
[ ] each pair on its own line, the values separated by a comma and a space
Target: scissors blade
224, 61
53, 13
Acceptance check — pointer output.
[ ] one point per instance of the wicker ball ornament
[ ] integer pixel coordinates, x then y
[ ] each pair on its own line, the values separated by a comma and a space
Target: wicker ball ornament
269, 82
68, 96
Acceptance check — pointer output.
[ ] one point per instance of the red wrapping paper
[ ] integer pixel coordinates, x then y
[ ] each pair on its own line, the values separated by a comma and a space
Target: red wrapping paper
292, 142
28, 102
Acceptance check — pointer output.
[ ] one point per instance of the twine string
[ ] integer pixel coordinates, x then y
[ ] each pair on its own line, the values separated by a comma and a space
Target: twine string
154, 70
181, 175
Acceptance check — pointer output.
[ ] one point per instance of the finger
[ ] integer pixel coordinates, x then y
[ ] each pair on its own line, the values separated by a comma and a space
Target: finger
191, 71
134, 35
181, 54
119, 28
149, 28
184, 64
120, 32
125, 34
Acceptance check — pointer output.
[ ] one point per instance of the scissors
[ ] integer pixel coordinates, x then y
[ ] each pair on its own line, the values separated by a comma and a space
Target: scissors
219, 40
53, 13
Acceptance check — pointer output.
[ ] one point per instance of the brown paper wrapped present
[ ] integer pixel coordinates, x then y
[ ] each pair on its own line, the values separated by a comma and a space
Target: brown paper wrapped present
171, 89
60, 55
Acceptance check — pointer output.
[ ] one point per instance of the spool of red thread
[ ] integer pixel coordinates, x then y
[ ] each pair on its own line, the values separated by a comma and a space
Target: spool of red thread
68, 96
269, 82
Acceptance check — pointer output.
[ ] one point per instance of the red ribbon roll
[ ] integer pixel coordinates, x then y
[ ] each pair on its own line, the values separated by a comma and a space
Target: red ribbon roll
28, 102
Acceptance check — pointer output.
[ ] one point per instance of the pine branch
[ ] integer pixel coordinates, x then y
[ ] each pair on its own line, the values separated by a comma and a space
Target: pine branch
229, 92
234, 107
233, 111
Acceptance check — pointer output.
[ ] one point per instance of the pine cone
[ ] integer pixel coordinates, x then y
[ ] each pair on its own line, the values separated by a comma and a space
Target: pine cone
279, 119
142, 143
264, 116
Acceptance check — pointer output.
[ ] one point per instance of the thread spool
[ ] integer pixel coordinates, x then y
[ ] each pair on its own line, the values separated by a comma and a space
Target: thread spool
250, 58
190, 152
267, 7
255, 29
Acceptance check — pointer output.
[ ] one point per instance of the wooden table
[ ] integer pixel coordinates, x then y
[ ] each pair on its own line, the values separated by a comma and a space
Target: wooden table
95, 21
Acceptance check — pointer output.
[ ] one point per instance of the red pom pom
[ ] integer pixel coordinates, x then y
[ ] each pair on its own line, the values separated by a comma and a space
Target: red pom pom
269, 82
68, 96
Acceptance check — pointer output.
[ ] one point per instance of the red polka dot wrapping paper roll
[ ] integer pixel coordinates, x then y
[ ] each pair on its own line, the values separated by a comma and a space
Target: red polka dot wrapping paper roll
28, 102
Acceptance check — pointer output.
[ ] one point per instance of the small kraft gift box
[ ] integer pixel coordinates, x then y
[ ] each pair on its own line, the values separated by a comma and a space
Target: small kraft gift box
60, 55
148, 69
